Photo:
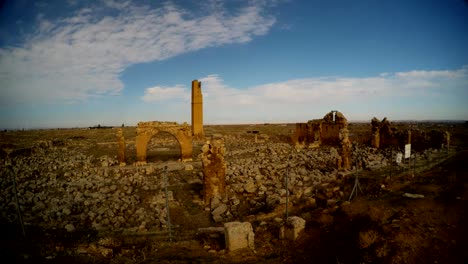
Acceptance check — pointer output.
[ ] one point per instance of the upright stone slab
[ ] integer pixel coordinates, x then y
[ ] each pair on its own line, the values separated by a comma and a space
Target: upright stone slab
214, 170
121, 142
293, 228
239, 235
345, 149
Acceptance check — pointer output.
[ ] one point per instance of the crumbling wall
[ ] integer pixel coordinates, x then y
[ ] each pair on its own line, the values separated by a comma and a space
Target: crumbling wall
146, 130
320, 131
385, 135
214, 170
331, 125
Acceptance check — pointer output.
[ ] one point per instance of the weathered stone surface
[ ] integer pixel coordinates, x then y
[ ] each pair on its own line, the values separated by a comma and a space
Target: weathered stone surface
320, 131
146, 130
214, 170
221, 209
345, 149
197, 110
293, 228
239, 235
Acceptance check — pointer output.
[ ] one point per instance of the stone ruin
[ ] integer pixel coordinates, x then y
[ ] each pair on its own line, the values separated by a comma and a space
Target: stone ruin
346, 151
197, 110
319, 132
146, 130
385, 135
183, 133
330, 130
239, 235
214, 171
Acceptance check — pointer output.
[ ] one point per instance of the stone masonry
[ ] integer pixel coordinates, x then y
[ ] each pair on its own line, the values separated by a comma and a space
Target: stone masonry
197, 110
214, 170
239, 235
146, 130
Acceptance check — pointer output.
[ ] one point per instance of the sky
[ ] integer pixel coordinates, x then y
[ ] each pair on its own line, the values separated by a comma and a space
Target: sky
83, 63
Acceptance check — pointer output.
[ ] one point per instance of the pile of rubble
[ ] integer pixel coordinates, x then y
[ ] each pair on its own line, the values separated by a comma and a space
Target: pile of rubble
59, 187
76, 191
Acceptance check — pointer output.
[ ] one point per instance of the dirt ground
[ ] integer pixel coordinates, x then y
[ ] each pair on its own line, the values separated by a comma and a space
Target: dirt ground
380, 225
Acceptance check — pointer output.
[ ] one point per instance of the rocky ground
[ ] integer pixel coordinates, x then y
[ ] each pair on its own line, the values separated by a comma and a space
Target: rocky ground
76, 204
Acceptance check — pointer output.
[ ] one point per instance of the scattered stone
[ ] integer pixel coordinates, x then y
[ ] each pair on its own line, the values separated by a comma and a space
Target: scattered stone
293, 228
414, 196
239, 235
70, 228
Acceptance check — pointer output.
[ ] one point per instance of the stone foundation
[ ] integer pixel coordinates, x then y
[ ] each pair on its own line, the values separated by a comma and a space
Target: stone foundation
239, 235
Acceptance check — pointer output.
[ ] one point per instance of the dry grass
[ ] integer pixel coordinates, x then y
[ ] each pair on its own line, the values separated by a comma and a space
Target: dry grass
379, 213
325, 220
367, 238
356, 208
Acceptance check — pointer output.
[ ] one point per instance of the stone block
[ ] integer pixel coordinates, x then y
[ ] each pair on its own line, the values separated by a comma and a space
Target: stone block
293, 228
239, 235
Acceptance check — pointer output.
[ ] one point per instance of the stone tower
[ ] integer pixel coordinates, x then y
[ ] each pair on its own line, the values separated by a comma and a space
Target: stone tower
197, 110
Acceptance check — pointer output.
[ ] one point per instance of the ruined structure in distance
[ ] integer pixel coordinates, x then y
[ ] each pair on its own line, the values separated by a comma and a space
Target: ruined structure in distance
146, 130
197, 110
320, 131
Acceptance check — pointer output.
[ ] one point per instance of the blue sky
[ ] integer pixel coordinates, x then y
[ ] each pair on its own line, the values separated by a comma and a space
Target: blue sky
77, 63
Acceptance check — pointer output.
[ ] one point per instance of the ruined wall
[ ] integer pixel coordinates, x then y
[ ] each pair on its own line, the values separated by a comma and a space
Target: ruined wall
214, 170
332, 123
146, 130
320, 131
385, 135
197, 110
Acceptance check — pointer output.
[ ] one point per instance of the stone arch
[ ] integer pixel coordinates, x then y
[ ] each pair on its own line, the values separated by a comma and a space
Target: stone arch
146, 130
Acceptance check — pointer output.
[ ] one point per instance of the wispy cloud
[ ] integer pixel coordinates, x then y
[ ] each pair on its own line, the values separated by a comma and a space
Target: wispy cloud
300, 97
159, 94
83, 55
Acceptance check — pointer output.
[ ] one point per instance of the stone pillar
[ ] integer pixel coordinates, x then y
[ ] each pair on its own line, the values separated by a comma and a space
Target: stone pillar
345, 149
141, 143
239, 235
293, 228
197, 110
214, 169
184, 138
447, 139
375, 140
121, 142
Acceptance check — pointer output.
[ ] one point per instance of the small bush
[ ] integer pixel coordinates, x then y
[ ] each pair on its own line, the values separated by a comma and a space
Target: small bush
367, 238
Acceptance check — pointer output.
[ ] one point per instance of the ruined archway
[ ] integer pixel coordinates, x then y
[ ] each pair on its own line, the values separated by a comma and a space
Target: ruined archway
163, 146
146, 130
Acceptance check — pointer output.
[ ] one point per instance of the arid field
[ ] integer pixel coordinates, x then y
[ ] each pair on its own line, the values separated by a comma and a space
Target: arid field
65, 199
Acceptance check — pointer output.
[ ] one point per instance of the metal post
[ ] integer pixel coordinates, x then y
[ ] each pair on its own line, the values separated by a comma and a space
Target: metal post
167, 205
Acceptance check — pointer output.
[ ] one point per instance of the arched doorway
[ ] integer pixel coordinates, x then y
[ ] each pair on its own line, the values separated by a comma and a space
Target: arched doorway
163, 146
146, 131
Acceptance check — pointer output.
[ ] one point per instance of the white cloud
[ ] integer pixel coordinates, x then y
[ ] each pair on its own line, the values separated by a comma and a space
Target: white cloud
83, 55
159, 94
303, 99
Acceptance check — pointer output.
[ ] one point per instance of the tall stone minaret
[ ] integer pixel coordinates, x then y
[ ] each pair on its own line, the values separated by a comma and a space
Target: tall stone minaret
197, 110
